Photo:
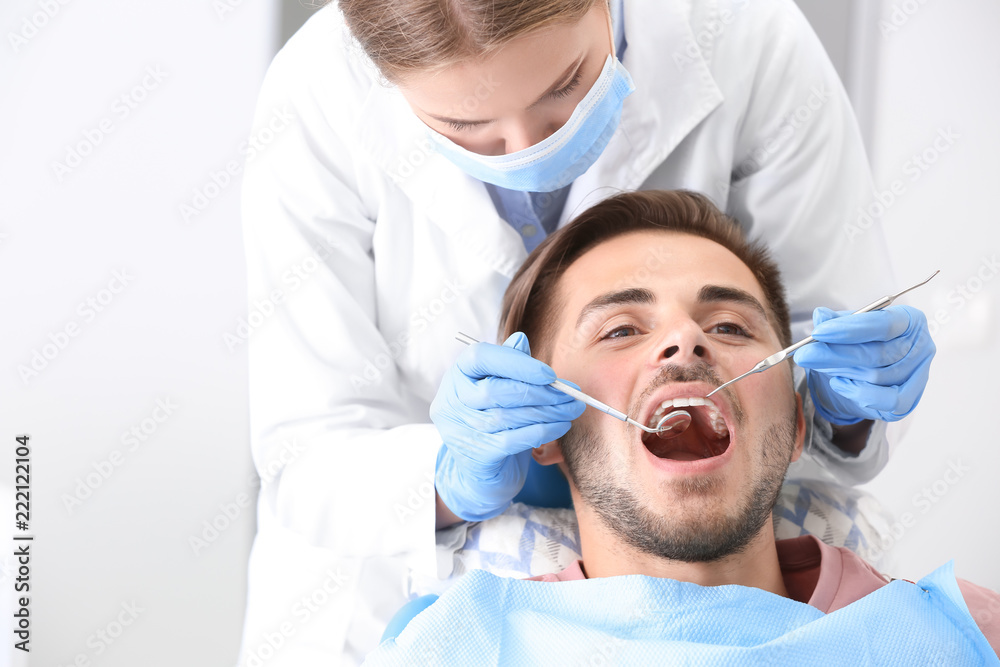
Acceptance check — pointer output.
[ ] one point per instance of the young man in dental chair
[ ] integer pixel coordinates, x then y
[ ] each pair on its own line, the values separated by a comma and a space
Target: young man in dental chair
680, 564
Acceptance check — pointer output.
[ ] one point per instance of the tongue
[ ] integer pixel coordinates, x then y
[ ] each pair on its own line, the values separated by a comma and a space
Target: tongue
683, 456
677, 448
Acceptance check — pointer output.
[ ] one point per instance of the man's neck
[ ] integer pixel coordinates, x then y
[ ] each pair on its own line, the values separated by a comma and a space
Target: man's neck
606, 555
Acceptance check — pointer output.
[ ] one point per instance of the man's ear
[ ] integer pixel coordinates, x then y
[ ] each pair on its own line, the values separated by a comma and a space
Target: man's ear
548, 453
800, 427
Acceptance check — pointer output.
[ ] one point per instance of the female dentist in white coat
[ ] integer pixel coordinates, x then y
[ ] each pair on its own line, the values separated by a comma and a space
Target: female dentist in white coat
411, 152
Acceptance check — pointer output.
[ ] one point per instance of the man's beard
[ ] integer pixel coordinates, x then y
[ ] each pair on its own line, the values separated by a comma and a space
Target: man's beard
691, 538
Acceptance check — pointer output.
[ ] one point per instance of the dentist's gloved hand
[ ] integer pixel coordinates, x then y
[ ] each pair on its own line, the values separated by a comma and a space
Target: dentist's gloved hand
872, 365
491, 409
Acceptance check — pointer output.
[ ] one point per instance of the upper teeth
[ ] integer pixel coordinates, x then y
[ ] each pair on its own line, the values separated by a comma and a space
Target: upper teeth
715, 417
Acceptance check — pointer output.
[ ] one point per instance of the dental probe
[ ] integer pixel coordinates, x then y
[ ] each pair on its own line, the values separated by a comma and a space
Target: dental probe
781, 355
677, 417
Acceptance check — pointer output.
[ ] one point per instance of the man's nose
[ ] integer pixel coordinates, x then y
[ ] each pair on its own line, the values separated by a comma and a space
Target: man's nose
683, 345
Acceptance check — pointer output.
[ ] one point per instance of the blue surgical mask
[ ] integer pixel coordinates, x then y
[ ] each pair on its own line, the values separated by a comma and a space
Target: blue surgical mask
556, 161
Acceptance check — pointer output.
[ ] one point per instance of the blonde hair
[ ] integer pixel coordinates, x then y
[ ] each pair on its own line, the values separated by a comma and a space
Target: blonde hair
404, 37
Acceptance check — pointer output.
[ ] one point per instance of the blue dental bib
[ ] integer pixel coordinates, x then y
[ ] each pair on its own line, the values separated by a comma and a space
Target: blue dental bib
636, 620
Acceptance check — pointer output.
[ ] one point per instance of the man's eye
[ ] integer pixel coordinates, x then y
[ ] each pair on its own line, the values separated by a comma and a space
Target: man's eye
621, 332
729, 329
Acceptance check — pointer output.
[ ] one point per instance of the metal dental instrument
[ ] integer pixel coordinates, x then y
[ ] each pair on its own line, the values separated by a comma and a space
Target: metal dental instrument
780, 356
668, 422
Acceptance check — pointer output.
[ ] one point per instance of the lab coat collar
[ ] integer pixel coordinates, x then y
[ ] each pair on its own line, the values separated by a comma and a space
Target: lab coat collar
675, 91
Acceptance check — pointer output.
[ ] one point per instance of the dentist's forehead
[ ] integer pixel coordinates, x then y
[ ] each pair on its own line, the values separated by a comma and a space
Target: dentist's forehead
514, 78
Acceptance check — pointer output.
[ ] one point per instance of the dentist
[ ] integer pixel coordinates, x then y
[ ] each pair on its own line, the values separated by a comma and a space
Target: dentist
434, 143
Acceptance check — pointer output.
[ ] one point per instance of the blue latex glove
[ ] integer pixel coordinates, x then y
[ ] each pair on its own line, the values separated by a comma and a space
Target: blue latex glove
491, 409
868, 366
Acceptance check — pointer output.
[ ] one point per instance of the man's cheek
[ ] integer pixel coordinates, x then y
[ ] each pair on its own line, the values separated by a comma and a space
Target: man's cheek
588, 423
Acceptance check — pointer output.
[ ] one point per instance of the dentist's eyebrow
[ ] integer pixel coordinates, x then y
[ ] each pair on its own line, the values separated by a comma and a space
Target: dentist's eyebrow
630, 296
565, 78
721, 294
457, 121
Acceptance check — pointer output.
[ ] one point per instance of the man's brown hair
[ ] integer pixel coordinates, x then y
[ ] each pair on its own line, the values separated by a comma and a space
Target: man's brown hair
529, 302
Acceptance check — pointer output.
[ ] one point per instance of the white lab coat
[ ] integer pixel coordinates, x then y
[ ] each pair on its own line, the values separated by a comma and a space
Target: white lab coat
367, 251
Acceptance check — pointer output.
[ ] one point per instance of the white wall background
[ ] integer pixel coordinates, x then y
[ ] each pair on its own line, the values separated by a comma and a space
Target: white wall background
920, 72
939, 72
160, 338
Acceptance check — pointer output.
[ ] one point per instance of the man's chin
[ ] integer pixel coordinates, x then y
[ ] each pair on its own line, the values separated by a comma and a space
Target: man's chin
695, 493
696, 516
687, 518
689, 531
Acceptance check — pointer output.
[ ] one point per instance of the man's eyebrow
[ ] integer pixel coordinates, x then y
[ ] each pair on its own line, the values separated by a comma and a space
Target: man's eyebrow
631, 295
560, 82
719, 293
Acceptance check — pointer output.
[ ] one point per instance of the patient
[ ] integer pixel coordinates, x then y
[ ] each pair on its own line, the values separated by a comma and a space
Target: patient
650, 300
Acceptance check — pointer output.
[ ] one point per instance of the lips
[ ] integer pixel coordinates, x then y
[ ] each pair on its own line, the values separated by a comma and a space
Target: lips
708, 436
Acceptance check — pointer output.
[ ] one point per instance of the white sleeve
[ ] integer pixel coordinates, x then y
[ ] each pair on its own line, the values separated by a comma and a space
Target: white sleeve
346, 462
802, 183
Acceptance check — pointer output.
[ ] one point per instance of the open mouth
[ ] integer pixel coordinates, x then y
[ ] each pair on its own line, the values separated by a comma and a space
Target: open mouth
706, 437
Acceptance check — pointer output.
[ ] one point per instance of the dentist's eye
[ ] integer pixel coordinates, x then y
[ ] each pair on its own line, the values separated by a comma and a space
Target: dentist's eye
621, 332
729, 329
568, 88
